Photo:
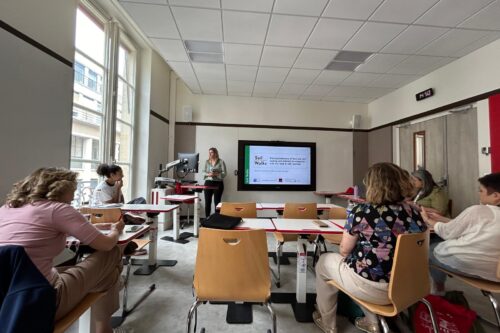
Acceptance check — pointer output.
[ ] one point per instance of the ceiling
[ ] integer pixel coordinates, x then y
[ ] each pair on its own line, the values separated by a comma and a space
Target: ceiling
280, 48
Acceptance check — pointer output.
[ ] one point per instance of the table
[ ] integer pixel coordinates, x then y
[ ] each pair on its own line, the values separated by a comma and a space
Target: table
351, 198
124, 237
254, 223
183, 198
151, 264
328, 195
281, 206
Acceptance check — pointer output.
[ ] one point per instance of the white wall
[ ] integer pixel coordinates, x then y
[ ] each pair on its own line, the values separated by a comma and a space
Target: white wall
472, 75
483, 135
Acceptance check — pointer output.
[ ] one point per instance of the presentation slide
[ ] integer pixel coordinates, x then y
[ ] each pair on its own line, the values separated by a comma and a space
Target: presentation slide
276, 165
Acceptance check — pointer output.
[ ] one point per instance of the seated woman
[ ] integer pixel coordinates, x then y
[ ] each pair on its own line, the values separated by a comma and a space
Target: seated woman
37, 216
428, 193
367, 246
471, 240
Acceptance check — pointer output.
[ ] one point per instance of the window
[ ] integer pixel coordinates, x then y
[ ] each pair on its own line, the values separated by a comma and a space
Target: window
103, 125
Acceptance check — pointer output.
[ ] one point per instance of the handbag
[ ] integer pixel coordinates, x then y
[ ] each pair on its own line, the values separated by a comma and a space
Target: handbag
451, 318
219, 221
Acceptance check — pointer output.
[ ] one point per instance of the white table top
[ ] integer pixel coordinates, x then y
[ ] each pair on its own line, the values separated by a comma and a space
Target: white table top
179, 197
125, 236
305, 226
248, 223
281, 205
148, 208
339, 222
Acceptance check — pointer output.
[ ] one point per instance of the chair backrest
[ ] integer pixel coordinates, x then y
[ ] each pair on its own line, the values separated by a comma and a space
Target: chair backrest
239, 209
337, 213
294, 210
232, 265
102, 215
410, 270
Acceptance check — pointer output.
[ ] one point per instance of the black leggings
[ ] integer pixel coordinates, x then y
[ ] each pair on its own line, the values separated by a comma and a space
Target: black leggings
217, 193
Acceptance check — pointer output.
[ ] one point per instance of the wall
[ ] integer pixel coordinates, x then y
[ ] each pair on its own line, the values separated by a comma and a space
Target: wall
472, 75
380, 146
360, 156
36, 87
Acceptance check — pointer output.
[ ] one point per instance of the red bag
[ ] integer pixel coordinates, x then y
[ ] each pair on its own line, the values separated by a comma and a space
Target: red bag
451, 318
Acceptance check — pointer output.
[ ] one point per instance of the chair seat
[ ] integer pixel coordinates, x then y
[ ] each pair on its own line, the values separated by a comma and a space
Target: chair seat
493, 287
65, 322
256, 296
141, 243
283, 238
334, 239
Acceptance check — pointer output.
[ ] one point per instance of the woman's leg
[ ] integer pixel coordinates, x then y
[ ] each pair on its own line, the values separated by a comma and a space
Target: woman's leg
208, 199
99, 272
218, 193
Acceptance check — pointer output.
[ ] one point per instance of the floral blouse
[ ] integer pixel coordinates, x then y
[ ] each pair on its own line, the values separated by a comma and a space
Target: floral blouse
378, 227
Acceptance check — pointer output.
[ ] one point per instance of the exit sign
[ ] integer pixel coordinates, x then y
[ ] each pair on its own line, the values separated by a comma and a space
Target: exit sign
424, 94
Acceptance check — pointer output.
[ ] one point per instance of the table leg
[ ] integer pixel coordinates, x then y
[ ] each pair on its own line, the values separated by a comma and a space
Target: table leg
301, 309
328, 199
182, 238
196, 217
151, 264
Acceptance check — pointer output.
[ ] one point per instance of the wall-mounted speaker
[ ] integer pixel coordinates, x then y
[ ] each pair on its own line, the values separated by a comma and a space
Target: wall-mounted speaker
187, 113
356, 121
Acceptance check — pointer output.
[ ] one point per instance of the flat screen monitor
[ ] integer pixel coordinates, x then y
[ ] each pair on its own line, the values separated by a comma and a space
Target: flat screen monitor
276, 166
189, 162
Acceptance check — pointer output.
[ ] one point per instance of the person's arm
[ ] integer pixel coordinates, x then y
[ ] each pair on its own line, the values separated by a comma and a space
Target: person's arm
206, 170
431, 218
106, 242
347, 243
456, 227
117, 196
223, 171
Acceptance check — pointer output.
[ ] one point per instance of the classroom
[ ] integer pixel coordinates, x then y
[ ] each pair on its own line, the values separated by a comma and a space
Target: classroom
155, 85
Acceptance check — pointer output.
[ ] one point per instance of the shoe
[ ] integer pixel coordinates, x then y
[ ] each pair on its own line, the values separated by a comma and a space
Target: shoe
133, 219
363, 324
140, 252
122, 329
319, 322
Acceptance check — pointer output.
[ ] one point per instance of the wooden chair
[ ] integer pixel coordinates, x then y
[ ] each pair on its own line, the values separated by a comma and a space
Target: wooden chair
409, 282
293, 211
102, 215
232, 266
82, 310
486, 287
336, 213
239, 209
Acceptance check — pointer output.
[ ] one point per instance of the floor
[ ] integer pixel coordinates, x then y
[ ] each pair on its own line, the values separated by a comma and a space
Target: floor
165, 310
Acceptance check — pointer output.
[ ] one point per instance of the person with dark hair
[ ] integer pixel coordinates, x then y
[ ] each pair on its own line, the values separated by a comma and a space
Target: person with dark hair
213, 173
471, 244
37, 215
367, 248
428, 193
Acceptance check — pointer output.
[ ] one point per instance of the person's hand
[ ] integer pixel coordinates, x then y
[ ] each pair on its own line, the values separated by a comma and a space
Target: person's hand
119, 183
210, 174
118, 226
425, 216
103, 226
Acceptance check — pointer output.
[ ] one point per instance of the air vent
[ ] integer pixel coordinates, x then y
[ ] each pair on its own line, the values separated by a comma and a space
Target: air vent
342, 66
347, 61
214, 58
203, 47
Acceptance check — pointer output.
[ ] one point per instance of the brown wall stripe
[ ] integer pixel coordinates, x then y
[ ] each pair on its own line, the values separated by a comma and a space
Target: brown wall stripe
159, 116
273, 127
34, 43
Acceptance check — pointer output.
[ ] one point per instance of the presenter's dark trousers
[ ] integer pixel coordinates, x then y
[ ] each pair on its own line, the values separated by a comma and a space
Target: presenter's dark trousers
217, 193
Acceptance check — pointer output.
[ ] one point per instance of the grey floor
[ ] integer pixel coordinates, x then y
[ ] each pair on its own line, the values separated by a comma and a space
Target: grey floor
165, 310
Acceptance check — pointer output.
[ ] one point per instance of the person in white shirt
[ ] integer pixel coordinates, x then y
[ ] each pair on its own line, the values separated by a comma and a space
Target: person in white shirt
471, 244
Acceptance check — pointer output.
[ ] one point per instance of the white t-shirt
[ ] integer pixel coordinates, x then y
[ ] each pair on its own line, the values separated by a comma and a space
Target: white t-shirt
472, 241
104, 193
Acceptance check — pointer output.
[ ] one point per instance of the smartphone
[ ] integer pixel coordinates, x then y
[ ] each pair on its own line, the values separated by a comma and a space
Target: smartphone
320, 224
134, 228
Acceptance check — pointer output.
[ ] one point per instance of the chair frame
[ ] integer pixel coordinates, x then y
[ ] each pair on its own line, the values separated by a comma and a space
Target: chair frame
239, 209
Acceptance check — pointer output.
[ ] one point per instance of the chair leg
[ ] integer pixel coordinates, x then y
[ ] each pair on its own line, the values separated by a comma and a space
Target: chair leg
385, 327
494, 303
190, 314
279, 248
431, 313
125, 284
273, 316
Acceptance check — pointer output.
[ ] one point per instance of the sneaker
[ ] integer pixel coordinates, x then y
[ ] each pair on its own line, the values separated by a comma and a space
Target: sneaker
319, 322
363, 324
133, 219
122, 329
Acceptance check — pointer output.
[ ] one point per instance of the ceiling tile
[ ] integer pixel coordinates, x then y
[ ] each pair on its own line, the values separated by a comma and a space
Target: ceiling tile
196, 3
318, 90
450, 13
242, 54
331, 77
303, 76
241, 27
154, 21
311, 97
416, 65
373, 36
300, 7
241, 73
154, 2
413, 39
332, 34
288, 96
392, 80
380, 63
183, 69
360, 92
453, 41
240, 88
293, 88
254, 5
170, 49
266, 88
213, 85
487, 18
478, 44
401, 11
358, 100
314, 59
209, 72
351, 9
272, 74
359, 79
286, 30
198, 24
277, 56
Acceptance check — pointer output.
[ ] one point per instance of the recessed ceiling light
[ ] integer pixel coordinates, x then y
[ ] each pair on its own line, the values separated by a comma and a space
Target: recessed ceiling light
342, 66
205, 47
214, 58
352, 56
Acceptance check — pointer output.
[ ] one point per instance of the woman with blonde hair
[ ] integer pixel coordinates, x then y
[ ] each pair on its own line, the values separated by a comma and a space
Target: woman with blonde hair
213, 173
364, 263
37, 216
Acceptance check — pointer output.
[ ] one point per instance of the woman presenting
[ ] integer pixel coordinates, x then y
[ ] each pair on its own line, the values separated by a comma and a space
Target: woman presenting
213, 173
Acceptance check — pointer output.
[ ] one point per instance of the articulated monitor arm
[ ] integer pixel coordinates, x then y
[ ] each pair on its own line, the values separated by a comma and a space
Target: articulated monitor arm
172, 164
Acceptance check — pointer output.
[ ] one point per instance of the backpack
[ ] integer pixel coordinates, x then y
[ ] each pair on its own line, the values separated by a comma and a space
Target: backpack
219, 221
